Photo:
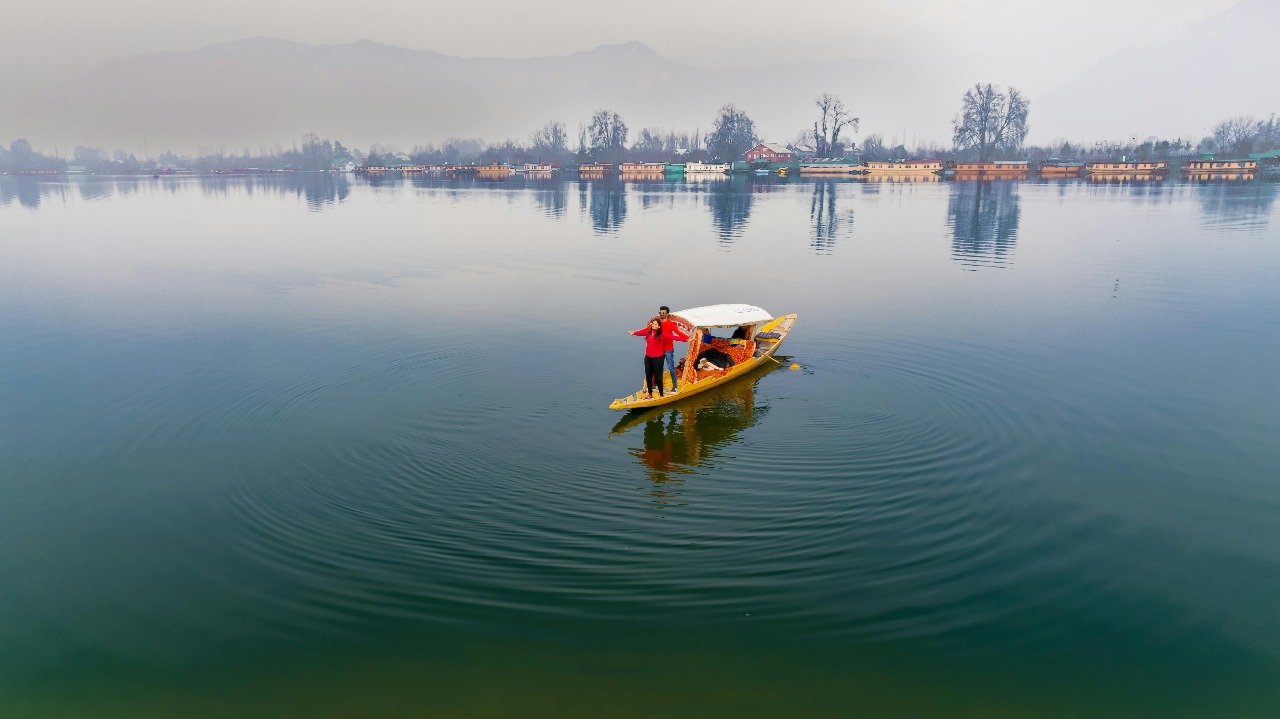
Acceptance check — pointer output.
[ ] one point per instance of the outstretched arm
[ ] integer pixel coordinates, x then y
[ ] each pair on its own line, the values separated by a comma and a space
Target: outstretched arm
640, 333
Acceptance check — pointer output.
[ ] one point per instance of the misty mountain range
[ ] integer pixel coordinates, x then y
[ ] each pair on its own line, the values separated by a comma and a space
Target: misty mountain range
261, 92
1179, 87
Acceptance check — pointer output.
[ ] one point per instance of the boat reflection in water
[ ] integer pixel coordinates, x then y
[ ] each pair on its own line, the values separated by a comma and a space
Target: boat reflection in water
873, 176
1120, 178
1220, 176
678, 438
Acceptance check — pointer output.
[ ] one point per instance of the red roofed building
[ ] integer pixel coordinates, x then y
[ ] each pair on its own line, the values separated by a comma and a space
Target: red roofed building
768, 152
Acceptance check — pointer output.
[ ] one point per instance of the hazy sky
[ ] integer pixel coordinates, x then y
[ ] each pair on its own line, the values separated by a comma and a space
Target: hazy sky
50, 39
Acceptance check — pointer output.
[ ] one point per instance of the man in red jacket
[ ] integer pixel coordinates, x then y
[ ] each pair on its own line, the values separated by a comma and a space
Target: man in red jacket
670, 333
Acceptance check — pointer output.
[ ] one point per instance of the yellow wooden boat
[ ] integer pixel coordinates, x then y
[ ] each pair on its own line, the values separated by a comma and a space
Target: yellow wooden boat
761, 335
737, 400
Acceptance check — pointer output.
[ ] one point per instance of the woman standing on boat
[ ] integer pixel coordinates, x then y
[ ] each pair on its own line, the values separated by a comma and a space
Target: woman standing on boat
653, 354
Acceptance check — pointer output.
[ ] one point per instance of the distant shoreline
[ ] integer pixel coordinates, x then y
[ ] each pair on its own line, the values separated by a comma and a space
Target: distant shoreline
1266, 167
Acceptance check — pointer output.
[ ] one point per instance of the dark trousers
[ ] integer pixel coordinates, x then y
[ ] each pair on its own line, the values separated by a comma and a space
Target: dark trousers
653, 373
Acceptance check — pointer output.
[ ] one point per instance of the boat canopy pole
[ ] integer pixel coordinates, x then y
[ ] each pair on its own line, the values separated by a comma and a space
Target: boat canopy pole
690, 373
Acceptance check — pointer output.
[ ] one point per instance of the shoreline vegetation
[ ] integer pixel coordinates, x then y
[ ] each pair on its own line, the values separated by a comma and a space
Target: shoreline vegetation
989, 130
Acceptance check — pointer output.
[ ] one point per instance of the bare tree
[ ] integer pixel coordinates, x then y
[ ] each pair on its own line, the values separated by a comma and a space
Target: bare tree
991, 120
1268, 134
506, 152
873, 148
649, 146
681, 144
22, 156
582, 143
802, 144
675, 144
550, 141
316, 154
694, 145
1235, 135
462, 149
833, 118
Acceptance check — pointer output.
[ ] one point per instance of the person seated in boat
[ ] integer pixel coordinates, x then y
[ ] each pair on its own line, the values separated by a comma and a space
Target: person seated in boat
715, 358
710, 340
740, 333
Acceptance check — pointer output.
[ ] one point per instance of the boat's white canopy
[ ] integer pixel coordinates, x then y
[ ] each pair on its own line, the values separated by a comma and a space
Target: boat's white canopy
723, 315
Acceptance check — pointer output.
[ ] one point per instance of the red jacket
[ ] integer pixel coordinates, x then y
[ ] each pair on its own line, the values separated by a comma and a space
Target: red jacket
671, 333
652, 342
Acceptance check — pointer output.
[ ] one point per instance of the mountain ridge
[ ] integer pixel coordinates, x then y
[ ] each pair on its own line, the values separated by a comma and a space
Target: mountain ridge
261, 91
1177, 87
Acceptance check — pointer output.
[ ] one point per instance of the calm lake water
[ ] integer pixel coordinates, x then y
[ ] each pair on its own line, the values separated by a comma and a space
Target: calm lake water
333, 447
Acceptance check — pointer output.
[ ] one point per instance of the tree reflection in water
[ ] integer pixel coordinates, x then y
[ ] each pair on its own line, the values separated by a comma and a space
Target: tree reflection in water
730, 203
320, 189
608, 205
828, 223
29, 191
552, 197
983, 219
679, 438
1234, 202
383, 180
93, 189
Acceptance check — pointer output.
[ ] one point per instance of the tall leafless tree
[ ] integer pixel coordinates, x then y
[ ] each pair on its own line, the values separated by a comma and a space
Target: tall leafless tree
1236, 135
873, 148
991, 120
550, 142
1268, 133
582, 150
649, 146
833, 118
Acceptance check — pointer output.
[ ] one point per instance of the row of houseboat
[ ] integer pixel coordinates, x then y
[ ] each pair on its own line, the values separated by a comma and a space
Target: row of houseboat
501, 171
824, 167
1019, 169
766, 159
